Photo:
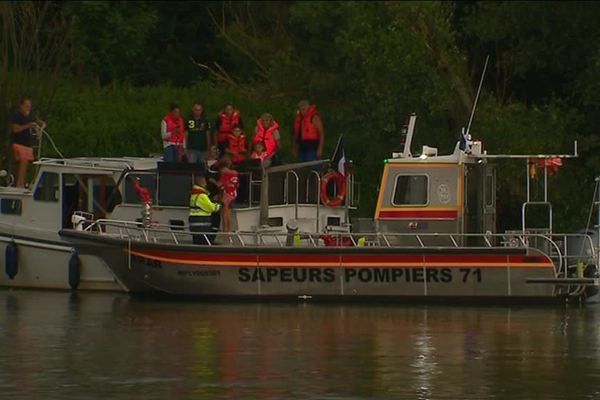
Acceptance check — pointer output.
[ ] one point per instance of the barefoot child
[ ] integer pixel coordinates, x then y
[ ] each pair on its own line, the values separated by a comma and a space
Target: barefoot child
229, 181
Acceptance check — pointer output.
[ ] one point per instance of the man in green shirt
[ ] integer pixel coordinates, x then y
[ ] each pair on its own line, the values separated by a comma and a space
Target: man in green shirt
198, 135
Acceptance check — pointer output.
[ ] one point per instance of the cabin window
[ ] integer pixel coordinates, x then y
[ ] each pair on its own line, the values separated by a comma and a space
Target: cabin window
106, 195
11, 206
176, 224
148, 181
47, 187
333, 221
411, 190
275, 221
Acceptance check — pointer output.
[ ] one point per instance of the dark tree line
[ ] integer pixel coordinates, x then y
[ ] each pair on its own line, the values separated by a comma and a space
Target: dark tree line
367, 66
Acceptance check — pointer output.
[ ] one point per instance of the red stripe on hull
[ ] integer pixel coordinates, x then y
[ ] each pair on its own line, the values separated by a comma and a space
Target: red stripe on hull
418, 214
343, 260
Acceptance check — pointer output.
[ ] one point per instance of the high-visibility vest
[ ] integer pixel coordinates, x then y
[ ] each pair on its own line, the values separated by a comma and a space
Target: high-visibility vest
200, 204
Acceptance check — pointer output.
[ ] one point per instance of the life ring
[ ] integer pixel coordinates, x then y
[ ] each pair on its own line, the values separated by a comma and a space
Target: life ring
340, 182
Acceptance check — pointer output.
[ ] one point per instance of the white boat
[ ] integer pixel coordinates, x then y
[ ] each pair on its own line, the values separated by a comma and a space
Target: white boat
32, 252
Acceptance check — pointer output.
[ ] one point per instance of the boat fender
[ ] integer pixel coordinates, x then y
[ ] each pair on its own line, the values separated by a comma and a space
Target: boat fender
591, 271
11, 261
340, 182
74, 270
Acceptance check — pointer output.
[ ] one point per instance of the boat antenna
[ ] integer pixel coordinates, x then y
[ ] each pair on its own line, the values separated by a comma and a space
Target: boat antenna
477, 96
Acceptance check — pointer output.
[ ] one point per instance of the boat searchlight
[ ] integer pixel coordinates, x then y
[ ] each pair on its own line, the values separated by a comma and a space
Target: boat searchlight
428, 152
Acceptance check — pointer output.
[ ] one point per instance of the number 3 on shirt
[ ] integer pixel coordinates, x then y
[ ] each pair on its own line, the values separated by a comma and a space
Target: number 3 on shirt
191, 124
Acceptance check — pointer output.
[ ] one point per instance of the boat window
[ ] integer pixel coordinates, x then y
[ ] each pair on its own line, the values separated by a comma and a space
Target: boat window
333, 221
275, 221
174, 189
146, 180
106, 195
11, 206
176, 224
411, 190
47, 187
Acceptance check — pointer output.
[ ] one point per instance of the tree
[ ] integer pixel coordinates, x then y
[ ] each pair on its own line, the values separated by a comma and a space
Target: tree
36, 48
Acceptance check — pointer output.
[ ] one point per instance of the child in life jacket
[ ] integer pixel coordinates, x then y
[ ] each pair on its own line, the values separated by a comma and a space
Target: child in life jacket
229, 181
259, 152
237, 145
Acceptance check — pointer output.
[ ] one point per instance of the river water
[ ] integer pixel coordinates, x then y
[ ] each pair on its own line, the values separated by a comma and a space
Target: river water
54, 345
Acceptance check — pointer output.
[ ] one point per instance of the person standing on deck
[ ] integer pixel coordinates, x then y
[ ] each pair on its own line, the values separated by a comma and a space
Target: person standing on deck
226, 120
23, 121
172, 131
267, 132
309, 134
201, 211
199, 135
237, 145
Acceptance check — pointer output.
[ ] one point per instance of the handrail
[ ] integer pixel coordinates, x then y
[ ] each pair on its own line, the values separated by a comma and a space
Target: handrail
286, 192
318, 202
562, 260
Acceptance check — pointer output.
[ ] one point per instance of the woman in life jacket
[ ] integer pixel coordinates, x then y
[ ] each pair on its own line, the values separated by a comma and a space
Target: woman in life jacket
267, 132
226, 120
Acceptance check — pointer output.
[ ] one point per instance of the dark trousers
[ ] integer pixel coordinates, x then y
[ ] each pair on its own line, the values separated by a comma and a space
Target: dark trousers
201, 228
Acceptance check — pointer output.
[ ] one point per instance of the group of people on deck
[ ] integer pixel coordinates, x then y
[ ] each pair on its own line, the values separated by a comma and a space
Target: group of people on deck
223, 146
200, 140
220, 145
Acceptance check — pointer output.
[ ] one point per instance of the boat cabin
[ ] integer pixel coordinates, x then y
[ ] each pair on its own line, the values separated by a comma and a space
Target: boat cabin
269, 199
449, 194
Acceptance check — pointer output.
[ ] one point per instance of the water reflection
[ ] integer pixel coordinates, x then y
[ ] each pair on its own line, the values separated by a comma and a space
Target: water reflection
56, 345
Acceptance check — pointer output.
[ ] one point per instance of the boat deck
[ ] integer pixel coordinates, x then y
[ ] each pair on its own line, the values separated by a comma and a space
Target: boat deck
556, 246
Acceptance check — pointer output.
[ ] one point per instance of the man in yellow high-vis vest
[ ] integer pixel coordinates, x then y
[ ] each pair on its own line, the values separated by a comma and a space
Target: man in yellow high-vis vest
201, 209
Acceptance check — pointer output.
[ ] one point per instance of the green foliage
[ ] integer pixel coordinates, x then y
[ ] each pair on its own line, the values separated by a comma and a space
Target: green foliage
111, 36
366, 65
120, 119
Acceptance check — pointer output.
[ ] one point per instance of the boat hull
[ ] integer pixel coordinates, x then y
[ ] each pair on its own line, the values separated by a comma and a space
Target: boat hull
45, 265
322, 273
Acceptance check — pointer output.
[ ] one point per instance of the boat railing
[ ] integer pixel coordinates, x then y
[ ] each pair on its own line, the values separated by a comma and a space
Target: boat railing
559, 247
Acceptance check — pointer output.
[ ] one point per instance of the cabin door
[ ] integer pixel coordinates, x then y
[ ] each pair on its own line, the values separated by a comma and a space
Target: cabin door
473, 222
94, 194
489, 206
74, 197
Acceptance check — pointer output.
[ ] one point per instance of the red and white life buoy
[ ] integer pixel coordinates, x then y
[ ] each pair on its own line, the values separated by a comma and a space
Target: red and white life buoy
340, 182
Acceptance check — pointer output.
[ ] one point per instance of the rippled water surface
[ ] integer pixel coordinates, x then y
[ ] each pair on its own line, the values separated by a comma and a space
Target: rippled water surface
57, 346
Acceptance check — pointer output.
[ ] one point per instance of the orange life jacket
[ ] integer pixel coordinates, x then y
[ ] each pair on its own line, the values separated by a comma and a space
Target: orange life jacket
237, 147
266, 136
226, 125
176, 127
309, 129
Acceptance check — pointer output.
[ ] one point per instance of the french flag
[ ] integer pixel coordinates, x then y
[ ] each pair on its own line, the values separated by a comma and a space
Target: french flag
338, 160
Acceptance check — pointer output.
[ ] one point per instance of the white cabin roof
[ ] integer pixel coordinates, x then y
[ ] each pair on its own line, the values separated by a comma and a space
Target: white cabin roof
101, 163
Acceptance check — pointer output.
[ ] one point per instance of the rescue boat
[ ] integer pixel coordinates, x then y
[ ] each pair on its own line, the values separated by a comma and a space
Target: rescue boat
433, 237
